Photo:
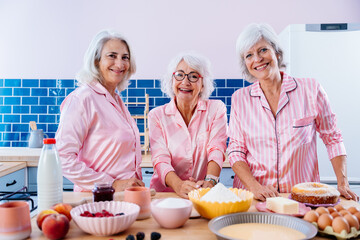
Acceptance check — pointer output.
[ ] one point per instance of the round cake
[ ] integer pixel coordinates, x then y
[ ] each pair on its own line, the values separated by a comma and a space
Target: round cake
314, 193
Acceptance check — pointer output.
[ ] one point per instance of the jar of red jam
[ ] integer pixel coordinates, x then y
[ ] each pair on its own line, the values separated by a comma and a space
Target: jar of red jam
103, 192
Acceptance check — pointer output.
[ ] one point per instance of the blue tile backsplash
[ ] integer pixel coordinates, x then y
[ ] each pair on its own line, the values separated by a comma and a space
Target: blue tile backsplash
25, 100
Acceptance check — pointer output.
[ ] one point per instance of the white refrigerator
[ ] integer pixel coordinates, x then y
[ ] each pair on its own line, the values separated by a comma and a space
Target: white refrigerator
330, 53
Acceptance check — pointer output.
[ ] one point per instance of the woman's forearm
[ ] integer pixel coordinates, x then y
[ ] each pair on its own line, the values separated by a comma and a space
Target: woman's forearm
339, 165
243, 172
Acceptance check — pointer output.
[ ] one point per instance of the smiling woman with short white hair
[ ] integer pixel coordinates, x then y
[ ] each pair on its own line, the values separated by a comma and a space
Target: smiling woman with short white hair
97, 139
187, 135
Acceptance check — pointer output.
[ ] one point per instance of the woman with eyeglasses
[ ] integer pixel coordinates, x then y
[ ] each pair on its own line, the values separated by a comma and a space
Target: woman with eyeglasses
188, 134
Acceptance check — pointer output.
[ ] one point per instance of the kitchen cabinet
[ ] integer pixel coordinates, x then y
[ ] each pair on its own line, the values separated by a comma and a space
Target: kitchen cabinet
13, 181
227, 177
32, 181
147, 174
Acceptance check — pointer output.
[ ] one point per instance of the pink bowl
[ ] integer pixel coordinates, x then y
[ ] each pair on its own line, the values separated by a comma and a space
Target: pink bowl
171, 217
105, 226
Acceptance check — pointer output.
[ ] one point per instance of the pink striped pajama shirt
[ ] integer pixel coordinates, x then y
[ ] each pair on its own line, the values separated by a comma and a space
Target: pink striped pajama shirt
186, 150
281, 151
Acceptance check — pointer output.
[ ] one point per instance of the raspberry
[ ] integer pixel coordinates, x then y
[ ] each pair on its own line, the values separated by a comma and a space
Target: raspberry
87, 212
155, 236
98, 214
140, 236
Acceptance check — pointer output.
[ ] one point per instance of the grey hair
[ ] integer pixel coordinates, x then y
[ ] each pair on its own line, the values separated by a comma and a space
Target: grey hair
249, 37
90, 71
198, 63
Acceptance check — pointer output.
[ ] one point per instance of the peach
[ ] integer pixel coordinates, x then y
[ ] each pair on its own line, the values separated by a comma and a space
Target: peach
42, 215
55, 226
63, 208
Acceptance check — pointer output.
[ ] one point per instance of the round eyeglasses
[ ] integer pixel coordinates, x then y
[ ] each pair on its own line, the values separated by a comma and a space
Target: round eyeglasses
192, 76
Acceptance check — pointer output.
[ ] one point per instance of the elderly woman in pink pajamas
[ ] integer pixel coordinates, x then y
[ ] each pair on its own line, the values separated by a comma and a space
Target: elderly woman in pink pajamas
188, 134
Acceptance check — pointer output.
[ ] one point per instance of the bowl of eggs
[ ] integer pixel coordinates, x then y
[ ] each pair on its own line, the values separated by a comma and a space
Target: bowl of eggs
336, 221
219, 200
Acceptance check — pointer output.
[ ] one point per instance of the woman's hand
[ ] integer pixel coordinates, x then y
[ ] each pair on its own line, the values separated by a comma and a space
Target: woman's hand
346, 192
185, 187
262, 192
121, 185
207, 184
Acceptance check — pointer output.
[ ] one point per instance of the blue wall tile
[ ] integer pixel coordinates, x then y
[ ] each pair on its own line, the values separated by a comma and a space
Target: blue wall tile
1, 82
219, 83
65, 83
132, 83
246, 83
30, 100
1, 100
38, 109
19, 144
5, 127
52, 127
28, 118
12, 100
59, 100
39, 92
47, 119
56, 92
11, 136
161, 101
21, 91
5, 109
20, 127
24, 136
69, 90
5, 91
48, 83
21, 109
12, 82
11, 118
157, 83
51, 135
47, 100
136, 92
148, 83
30, 82
235, 83
42, 126
154, 92
5, 144
53, 109
225, 91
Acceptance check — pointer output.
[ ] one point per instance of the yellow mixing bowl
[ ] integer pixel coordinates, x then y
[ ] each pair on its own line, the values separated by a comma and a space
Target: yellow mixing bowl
210, 210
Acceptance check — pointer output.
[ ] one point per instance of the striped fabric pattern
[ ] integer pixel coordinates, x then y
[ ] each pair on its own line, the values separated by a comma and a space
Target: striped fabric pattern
281, 150
186, 150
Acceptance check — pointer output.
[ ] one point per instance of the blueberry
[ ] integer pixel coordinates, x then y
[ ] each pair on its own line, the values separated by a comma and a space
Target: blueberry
120, 214
130, 237
155, 236
140, 236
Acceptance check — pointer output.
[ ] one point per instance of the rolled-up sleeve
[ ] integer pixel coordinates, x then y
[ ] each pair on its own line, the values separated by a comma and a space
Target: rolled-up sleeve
160, 155
326, 126
218, 134
237, 148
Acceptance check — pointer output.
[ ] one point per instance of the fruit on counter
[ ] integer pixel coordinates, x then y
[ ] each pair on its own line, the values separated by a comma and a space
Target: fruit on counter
42, 215
55, 226
63, 208
155, 236
130, 237
103, 213
140, 236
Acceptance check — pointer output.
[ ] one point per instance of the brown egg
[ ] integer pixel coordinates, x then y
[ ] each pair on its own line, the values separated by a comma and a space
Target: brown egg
357, 214
339, 207
339, 224
352, 220
324, 221
353, 210
311, 216
321, 210
336, 214
344, 212
331, 209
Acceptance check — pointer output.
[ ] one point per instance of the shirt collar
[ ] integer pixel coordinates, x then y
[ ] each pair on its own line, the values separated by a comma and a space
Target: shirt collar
288, 84
171, 108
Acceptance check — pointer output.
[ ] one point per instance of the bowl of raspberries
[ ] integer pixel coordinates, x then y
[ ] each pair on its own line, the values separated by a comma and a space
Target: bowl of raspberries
105, 218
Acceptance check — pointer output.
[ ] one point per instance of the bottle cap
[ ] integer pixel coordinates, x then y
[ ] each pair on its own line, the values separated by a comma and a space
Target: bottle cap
49, 141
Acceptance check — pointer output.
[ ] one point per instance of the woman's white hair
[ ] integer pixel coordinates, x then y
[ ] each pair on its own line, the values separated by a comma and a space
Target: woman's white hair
90, 71
198, 63
249, 37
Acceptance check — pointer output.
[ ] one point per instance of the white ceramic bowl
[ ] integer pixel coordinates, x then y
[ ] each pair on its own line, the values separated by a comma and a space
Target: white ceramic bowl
105, 226
171, 216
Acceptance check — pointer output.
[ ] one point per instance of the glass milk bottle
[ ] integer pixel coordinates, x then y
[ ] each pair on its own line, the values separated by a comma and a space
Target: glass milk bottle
49, 176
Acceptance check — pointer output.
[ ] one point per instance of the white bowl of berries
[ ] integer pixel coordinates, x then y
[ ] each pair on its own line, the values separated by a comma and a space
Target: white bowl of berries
105, 218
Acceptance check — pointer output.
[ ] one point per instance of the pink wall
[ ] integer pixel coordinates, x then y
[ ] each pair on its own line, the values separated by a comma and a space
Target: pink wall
48, 38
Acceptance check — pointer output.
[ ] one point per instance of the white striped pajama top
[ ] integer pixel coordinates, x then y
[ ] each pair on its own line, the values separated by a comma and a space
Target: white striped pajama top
281, 150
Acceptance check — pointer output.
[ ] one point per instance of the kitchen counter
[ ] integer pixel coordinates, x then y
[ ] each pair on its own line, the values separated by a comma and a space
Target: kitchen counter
31, 156
10, 167
196, 228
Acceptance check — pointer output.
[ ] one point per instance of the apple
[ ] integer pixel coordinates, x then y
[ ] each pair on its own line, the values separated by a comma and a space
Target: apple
42, 215
55, 226
63, 208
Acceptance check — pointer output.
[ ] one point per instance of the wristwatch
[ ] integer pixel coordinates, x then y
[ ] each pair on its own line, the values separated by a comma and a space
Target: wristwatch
212, 178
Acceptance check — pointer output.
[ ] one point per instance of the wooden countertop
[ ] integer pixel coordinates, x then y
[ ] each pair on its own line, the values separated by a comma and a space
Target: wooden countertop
31, 156
196, 228
10, 167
